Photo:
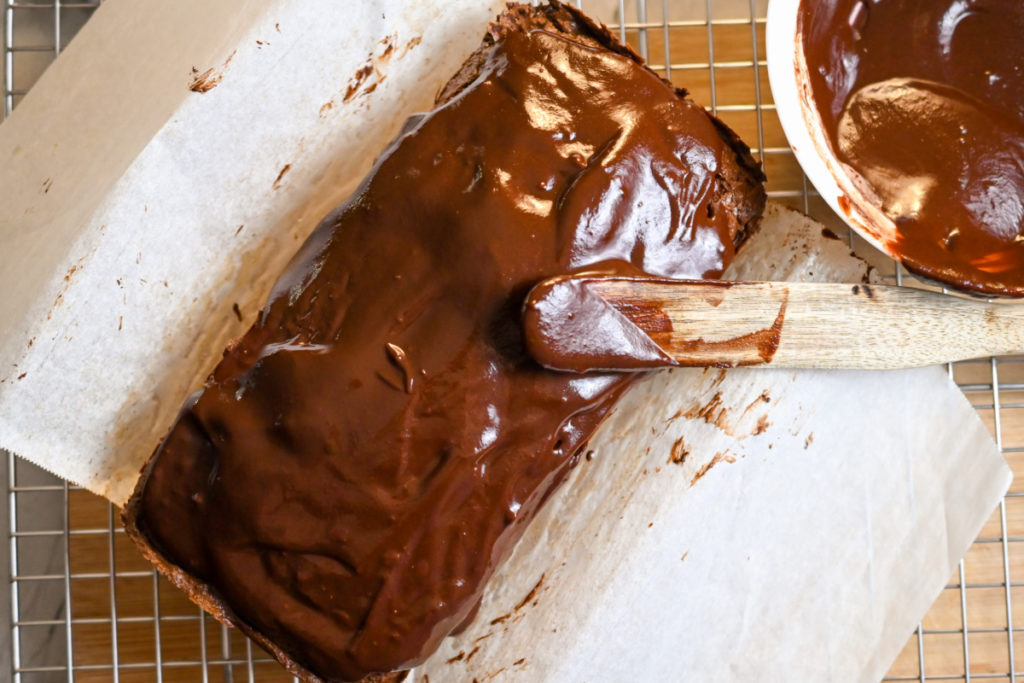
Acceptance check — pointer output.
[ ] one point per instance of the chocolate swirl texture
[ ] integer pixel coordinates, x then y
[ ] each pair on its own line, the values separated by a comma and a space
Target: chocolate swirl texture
365, 455
925, 100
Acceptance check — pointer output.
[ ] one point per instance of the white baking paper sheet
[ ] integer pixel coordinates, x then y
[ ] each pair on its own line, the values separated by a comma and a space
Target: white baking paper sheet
137, 212
165, 169
749, 525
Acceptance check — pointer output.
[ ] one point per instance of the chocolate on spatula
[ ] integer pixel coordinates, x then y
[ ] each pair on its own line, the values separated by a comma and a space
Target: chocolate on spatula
589, 321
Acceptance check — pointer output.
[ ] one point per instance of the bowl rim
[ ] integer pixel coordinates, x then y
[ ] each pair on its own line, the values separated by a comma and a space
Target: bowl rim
841, 186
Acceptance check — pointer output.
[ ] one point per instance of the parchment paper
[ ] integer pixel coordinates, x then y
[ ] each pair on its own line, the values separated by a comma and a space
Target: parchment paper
750, 525
165, 170
754, 524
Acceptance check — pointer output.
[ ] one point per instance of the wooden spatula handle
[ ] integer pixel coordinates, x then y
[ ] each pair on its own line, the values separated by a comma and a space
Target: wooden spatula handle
811, 325
590, 321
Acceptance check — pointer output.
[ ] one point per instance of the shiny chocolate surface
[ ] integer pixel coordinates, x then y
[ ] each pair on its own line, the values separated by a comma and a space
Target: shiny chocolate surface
363, 457
925, 99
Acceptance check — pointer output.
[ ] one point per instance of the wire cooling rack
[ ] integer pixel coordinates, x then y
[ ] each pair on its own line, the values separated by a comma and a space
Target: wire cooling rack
83, 606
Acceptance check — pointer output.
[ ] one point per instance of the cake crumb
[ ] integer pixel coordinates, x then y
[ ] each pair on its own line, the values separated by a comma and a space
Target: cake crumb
531, 595
762, 425
358, 79
281, 175
204, 82
679, 452
707, 467
413, 42
712, 412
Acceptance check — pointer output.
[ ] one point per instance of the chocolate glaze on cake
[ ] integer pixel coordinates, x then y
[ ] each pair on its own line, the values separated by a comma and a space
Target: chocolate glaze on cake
925, 100
363, 457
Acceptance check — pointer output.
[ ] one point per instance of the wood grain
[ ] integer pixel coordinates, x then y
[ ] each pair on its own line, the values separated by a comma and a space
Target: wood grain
809, 325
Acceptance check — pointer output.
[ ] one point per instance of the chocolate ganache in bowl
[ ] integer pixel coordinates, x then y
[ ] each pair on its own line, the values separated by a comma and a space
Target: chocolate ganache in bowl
916, 108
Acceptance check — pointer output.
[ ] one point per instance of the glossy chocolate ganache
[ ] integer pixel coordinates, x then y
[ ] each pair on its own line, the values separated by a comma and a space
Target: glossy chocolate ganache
363, 457
925, 99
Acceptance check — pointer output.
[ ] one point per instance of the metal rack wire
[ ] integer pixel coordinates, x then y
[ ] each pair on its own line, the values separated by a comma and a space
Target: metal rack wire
82, 606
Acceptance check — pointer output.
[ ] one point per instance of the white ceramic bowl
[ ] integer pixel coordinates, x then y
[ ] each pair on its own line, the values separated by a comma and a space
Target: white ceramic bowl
845, 190
842, 187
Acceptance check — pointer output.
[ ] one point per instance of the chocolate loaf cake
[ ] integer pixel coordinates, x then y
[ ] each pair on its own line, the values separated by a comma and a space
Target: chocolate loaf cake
363, 457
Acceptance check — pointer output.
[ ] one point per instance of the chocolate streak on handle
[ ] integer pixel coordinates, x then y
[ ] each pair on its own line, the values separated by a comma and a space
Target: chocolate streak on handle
362, 459
755, 348
588, 322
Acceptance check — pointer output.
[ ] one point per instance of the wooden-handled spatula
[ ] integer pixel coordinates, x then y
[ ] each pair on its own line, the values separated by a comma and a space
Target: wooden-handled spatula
589, 322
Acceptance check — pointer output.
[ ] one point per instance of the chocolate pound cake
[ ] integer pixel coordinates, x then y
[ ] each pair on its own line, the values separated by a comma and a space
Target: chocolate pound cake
365, 455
